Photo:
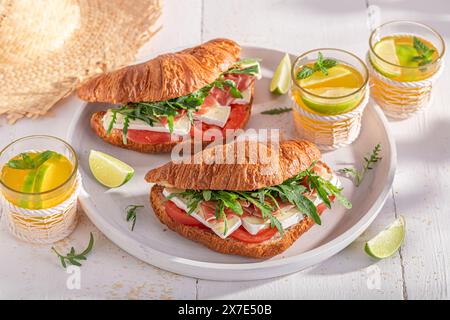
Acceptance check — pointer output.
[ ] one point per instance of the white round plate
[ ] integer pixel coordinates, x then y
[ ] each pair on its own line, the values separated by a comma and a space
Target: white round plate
152, 242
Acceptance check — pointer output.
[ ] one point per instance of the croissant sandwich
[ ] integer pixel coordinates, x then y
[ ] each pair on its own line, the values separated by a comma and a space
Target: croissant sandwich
175, 96
255, 208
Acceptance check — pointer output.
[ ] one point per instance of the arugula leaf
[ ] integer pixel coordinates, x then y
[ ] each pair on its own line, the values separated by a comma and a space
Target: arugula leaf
72, 257
131, 214
235, 93
154, 112
292, 190
251, 70
275, 111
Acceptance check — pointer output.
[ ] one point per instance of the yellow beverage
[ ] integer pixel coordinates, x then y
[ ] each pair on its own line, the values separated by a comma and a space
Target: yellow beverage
405, 57
30, 175
330, 94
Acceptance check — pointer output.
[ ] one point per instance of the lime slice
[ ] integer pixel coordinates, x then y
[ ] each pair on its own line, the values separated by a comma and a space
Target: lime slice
387, 50
320, 79
40, 177
406, 54
29, 182
282, 78
331, 108
108, 170
388, 241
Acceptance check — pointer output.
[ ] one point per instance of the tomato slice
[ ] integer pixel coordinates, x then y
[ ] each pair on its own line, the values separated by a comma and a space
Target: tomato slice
149, 137
242, 235
180, 215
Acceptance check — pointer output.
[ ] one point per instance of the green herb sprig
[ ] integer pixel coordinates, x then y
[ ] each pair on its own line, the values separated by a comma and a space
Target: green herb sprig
292, 190
27, 163
369, 163
321, 65
74, 258
131, 214
154, 112
276, 111
424, 52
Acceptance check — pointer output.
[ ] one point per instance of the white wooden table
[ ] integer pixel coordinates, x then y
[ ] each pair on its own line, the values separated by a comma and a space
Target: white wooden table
420, 192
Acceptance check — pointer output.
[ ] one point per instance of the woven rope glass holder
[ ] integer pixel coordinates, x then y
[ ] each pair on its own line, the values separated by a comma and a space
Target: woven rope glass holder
44, 225
400, 100
330, 132
403, 90
330, 121
40, 217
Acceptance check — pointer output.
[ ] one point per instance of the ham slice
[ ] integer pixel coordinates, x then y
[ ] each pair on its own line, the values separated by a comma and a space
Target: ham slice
208, 209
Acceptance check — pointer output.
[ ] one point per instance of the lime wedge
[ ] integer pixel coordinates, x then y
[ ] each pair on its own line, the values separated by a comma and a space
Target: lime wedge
108, 170
282, 78
387, 50
320, 79
388, 241
40, 177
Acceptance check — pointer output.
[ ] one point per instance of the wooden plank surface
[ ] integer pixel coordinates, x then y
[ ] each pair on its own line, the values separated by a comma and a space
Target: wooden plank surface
420, 188
32, 271
298, 26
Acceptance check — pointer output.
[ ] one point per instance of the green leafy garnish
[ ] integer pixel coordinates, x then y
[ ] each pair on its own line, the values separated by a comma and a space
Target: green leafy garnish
251, 70
131, 214
72, 257
321, 65
369, 163
27, 163
424, 52
155, 112
293, 190
276, 111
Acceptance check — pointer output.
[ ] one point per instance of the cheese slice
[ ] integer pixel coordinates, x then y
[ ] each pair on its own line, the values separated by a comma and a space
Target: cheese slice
215, 115
218, 227
246, 97
288, 216
244, 65
254, 224
181, 126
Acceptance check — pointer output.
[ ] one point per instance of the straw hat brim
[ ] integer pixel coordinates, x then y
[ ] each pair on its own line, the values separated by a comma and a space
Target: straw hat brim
48, 47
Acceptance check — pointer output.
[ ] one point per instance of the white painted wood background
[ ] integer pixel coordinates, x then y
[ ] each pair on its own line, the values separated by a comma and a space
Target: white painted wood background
420, 193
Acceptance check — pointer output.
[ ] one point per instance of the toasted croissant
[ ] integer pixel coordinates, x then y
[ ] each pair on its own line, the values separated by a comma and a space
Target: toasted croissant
292, 157
165, 77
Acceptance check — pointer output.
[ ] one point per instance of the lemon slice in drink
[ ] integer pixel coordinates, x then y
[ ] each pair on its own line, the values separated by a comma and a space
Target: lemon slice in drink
282, 78
332, 92
387, 50
388, 241
108, 170
319, 79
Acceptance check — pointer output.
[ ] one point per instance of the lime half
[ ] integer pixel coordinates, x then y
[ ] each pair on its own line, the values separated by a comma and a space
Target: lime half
387, 50
282, 77
108, 170
388, 241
